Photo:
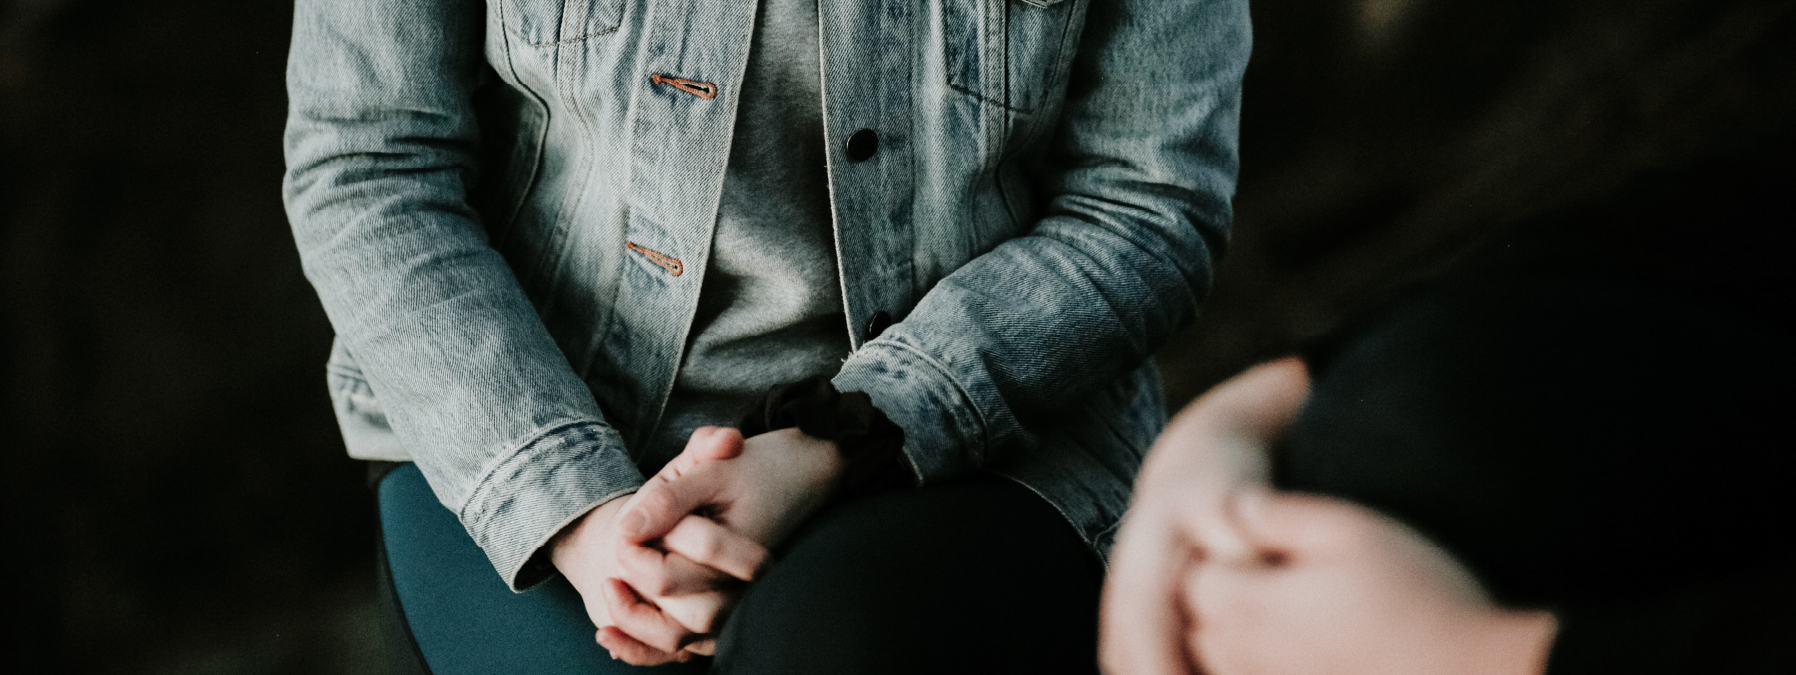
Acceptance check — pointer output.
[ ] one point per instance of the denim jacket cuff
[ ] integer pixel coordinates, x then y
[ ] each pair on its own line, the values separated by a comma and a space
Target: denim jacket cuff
530, 495
944, 433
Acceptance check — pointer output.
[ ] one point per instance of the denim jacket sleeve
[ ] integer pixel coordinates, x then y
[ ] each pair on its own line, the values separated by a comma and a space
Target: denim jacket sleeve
381, 145
1140, 178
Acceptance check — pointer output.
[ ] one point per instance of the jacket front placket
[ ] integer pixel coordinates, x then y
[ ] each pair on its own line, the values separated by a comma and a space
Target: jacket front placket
866, 55
692, 63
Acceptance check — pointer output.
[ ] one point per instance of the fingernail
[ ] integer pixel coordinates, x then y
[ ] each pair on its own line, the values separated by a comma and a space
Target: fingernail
633, 523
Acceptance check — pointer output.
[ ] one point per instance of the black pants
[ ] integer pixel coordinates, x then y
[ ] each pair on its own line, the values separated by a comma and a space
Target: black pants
979, 576
1604, 435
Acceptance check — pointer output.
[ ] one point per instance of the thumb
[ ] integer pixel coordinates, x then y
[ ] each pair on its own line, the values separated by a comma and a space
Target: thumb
1258, 403
714, 443
1287, 526
1226, 434
707, 444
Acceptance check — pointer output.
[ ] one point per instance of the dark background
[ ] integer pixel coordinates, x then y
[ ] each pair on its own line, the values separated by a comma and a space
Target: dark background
176, 499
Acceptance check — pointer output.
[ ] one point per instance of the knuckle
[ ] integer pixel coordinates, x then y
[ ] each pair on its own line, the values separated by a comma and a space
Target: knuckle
706, 545
655, 501
678, 467
643, 574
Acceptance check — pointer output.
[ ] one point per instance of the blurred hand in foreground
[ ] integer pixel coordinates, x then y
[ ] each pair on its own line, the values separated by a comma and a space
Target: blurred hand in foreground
1216, 573
1330, 586
1215, 446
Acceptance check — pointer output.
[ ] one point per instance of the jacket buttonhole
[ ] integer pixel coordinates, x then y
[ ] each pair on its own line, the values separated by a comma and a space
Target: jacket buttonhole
704, 90
673, 265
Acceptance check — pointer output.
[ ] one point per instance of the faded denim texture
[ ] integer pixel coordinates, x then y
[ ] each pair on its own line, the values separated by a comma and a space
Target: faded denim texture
1049, 196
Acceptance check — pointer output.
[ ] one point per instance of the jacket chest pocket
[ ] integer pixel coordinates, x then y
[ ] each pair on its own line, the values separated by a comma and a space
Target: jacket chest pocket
1006, 52
548, 22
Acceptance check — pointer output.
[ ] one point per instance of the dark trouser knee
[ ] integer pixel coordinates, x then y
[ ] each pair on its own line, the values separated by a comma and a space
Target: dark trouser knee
979, 576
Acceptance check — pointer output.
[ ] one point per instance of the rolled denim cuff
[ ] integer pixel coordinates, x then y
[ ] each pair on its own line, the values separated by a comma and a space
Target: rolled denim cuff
944, 434
528, 497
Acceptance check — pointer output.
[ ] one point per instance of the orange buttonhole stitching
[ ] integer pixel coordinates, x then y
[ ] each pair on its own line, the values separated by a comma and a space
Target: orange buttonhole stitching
700, 89
672, 265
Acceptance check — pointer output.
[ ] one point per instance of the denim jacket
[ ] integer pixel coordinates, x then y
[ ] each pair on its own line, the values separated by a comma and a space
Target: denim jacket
506, 208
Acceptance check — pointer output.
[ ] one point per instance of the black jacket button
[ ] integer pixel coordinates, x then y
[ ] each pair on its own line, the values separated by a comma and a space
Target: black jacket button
878, 323
862, 144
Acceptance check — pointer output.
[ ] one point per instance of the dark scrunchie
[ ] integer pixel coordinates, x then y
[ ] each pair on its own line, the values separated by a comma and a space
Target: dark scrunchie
872, 447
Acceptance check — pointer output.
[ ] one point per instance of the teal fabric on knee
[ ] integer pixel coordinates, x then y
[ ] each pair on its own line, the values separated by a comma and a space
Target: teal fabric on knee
463, 618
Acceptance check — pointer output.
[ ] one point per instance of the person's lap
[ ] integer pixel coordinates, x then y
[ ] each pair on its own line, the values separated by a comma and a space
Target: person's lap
976, 576
457, 612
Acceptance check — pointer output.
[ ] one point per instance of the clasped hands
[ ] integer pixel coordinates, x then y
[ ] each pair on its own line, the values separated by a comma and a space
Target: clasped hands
1215, 572
658, 571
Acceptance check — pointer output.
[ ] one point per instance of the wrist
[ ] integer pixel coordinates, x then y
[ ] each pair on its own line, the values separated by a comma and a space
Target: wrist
868, 446
569, 547
817, 460
830, 465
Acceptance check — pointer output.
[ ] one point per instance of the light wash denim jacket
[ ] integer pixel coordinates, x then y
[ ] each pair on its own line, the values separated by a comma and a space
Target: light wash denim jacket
506, 208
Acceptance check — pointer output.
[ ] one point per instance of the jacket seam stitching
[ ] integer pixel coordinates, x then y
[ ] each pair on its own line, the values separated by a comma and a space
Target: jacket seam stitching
587, 36
541, 276
345, 371
987, 99
483, 485
555, 249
